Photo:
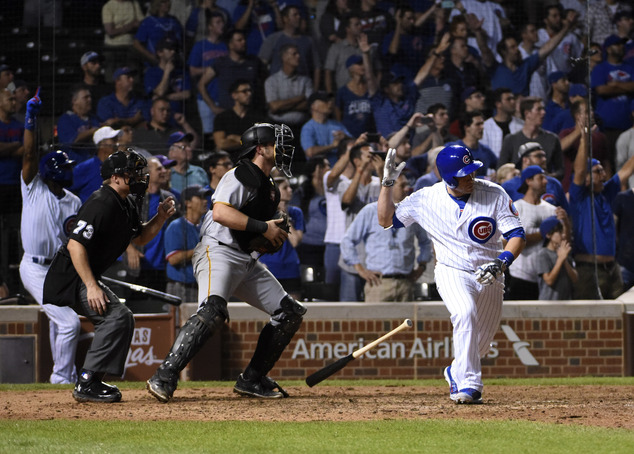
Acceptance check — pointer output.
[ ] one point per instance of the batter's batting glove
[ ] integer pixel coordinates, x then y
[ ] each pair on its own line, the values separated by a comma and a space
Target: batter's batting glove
489, 272
32, 110
391, 171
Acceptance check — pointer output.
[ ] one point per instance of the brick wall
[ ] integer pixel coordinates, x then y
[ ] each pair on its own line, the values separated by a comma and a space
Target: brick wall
572, 347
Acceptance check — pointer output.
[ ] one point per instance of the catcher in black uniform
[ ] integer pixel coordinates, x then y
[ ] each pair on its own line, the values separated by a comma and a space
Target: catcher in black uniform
241, 226
105, 225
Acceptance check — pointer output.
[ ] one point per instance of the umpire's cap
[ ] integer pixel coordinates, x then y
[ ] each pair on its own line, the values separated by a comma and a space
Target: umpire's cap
456, 161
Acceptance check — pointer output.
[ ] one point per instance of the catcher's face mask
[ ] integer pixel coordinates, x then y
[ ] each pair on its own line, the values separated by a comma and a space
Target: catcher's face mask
283, 149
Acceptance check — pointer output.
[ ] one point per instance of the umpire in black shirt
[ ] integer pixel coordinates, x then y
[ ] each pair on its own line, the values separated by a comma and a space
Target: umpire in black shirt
105, 225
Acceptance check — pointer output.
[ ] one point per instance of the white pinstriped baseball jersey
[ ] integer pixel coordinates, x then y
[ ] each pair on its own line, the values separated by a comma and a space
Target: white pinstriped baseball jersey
46, 220
462, 241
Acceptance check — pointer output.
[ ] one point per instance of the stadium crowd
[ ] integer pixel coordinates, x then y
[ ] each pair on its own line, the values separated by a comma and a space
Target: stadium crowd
180, 81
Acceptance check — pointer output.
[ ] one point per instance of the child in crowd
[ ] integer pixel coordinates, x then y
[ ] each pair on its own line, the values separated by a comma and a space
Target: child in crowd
553, 264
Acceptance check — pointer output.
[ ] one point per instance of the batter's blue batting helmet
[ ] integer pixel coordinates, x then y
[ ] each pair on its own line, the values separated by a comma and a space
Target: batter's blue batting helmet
58, 167
456, 161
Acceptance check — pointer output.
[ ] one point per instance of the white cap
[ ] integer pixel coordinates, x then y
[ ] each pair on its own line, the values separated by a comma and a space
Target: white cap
104, 133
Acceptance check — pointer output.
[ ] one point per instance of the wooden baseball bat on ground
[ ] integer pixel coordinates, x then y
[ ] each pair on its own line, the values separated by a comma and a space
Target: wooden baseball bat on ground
171, 299
330, 369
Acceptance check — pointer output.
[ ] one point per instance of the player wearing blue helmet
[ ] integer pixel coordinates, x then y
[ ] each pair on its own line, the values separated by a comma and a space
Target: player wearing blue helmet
465, 218
48, 217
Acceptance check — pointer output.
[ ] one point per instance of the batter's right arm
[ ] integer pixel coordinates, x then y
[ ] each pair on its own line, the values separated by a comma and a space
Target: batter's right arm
79, 256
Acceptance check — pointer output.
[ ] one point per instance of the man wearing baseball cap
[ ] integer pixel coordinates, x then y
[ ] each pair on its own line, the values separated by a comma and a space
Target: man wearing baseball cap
531, 154
92, 66
167, 78
558, 101
613, 82
86, 176
184, 173
533, 210
181, 237
122, 107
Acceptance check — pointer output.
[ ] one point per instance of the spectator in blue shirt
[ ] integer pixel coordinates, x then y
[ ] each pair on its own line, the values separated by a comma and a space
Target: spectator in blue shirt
558, 102
203, 54
353, 107
156, 26
321, 134
11, 133
197, 25
594, 228
515, 73
76, 127
180, 239
394, 101
183, 173
168, 79
613, 82
122, 107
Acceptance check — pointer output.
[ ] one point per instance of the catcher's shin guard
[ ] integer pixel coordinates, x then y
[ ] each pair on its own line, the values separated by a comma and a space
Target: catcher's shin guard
192, 336
274, 338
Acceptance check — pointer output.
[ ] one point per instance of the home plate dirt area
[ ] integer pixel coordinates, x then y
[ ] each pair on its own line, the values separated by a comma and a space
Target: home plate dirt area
601, 406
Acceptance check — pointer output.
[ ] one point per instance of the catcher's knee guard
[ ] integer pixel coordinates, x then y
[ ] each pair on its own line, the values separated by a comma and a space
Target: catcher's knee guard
201, 326
275, 337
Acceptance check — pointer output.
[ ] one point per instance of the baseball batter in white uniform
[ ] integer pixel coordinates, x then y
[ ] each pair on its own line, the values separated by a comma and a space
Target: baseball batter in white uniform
48, 216
466, 219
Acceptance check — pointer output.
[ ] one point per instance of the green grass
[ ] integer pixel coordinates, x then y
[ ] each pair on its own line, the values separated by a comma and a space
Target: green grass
383, 437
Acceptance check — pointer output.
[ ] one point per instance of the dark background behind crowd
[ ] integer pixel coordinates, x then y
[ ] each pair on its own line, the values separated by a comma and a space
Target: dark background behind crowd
181, 80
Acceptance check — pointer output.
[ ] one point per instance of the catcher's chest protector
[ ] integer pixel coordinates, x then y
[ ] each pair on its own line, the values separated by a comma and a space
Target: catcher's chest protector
263, 206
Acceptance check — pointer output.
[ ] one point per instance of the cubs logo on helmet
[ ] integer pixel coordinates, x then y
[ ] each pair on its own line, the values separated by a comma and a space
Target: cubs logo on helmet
481, 229
466, 159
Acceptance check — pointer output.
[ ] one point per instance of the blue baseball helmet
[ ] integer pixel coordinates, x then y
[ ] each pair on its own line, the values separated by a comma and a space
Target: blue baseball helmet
456, 161
58, 167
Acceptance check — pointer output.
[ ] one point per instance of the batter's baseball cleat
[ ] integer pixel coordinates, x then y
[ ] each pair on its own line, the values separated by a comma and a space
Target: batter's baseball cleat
263, 387
160, 389
453, 388
96, 391
467, 396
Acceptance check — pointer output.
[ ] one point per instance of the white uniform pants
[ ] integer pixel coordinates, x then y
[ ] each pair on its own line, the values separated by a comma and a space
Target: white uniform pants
475, 314
63, 323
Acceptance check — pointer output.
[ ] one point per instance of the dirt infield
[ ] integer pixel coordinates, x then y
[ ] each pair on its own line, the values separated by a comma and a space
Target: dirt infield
602, 406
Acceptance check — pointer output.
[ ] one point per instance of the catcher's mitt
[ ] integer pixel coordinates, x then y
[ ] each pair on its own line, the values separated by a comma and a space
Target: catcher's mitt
264, 246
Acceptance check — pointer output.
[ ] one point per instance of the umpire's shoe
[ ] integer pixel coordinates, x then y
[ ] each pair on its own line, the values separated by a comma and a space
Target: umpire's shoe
263, 387
91, 389
162, 387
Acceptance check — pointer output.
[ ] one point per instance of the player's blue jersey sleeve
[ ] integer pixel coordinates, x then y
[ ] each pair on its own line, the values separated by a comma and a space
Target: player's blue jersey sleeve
515, 233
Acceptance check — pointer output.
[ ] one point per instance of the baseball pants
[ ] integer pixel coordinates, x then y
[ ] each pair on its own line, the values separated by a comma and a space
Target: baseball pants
63, 323
113, 333
475, 315
223, 271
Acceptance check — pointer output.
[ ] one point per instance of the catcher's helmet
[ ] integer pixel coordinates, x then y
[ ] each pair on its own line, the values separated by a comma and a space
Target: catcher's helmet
456, 161
127, 163
58, 167
266, 133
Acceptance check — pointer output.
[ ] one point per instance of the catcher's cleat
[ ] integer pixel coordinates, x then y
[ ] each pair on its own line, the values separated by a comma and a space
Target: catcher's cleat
467, 396
96, 391
161, 389
263, 387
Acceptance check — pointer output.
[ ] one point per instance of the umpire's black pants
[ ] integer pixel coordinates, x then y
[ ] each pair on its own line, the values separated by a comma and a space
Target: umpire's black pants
113, 333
